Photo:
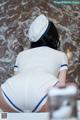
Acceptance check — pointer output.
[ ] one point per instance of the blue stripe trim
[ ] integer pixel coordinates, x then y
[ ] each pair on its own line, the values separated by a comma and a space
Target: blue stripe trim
49, 25
45, 33
64, 65
15, 66
12, 103
41, 101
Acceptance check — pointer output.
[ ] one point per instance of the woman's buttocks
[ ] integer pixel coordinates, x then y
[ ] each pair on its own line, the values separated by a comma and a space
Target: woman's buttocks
39, 83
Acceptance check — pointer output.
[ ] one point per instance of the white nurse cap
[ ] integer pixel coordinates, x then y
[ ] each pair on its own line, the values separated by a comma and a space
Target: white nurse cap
38, 28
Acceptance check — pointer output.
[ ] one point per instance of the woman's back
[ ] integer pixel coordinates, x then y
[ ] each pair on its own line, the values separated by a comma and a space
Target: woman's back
41, 60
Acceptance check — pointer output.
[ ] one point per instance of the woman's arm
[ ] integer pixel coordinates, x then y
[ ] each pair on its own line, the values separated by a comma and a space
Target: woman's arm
15, 72
62, 78
16, 66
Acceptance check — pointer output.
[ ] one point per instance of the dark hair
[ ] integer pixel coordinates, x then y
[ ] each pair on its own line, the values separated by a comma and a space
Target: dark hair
50, 38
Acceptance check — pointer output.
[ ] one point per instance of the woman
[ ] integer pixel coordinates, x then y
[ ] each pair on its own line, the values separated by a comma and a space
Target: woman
36, 70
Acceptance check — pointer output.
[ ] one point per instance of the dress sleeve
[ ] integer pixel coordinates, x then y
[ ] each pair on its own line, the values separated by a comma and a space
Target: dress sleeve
64, 62
16, 66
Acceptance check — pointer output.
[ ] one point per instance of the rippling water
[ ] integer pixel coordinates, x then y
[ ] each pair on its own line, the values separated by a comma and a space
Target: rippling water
15, 18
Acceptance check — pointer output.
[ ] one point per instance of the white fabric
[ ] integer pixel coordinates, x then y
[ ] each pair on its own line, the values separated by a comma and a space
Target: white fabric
38, 28
35, 116
14, 89
37, 71
41, 59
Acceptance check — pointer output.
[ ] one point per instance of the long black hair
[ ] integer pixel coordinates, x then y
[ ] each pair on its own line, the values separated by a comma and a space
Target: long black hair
50, 38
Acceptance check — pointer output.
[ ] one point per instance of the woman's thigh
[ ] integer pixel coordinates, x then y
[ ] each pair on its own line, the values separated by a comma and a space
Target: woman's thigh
13, 94
3, 104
